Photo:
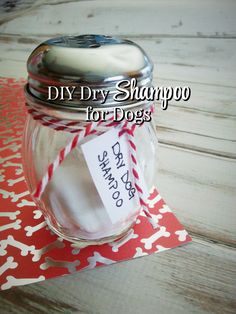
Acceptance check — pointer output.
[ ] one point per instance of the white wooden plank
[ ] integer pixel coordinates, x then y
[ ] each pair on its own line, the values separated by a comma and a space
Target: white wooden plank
178, 18
196, 278
14, 52
209, 61
197, 142
203, 129
202, 190
198, 130
206, 98
201, 75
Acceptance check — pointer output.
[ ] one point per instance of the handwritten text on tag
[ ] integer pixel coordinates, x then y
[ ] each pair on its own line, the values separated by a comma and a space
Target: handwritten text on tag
109, 163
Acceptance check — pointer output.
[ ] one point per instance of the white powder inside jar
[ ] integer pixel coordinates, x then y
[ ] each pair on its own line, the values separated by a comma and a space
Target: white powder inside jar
110, 61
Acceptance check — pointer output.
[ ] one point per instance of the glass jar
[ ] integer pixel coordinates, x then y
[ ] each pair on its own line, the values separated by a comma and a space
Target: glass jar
70, 202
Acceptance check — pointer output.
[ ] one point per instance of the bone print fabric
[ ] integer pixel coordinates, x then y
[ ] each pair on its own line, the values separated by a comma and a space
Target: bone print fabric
29, 251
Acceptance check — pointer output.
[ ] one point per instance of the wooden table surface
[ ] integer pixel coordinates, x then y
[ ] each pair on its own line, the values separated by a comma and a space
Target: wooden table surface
191, 43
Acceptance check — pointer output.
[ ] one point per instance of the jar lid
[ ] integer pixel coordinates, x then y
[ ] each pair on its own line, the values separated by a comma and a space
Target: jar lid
93, 62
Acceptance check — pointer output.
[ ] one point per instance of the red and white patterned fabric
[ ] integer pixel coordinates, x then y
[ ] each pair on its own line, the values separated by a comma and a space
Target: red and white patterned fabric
29, 251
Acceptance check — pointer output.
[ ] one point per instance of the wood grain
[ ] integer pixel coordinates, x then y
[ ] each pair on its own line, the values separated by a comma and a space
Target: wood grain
197, 278
211, 124
209, 63
166, 18
201, 189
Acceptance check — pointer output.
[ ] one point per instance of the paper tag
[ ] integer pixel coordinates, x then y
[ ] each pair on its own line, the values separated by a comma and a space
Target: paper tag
109, 163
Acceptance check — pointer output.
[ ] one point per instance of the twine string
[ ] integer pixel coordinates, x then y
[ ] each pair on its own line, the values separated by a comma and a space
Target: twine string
82, 130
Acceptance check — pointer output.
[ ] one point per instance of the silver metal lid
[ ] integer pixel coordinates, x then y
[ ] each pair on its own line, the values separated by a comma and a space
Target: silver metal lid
95, 61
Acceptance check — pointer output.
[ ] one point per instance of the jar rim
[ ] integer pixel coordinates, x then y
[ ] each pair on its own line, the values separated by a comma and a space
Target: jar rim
80, 61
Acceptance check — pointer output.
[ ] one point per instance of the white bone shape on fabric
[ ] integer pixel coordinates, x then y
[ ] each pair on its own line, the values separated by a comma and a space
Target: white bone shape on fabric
154, 201
32, 229
2, 176
18, 170
24, 248
182, 235
75, 251
139, 252
117, 244
14, 197
6, 194
3, 159
11, 182
9, 264
11, 139
152, 190
10, 215
4, 132
25, 202
156, 218
37, 214
165, 209
13, 225
12, 281
37, 254
49, 262
98, 258
12, 164
13, 147
148, 242
161, 248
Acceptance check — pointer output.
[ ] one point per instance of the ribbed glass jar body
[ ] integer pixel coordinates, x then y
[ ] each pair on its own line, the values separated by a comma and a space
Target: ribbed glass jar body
70, 203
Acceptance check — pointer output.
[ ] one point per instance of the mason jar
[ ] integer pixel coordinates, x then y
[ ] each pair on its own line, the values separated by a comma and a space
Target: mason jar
70, 201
